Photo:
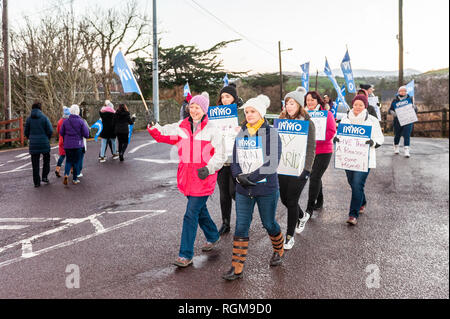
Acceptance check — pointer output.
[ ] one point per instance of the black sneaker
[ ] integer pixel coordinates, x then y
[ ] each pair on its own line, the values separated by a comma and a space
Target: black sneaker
37, 185
231, 275
224, 229
276, 259
45, 180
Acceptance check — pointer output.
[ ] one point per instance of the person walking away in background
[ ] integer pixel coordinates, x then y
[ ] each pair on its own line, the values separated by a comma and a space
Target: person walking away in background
62, 153
291, 187
122, 120
73, 130
38, 131
108, 135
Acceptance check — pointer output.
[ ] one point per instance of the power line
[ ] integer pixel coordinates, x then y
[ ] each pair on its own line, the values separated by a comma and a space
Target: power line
235, 31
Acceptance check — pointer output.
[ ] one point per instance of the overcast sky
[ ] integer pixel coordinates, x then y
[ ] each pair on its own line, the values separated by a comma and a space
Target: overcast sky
312, 28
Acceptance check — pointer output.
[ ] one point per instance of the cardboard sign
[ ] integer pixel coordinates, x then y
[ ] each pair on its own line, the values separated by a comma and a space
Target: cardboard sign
225, 117
320, 123
294, 138
405, 112
373, 100
250, 155
351, 152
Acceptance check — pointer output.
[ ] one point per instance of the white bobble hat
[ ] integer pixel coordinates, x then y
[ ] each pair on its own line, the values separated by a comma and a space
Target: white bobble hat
260, 103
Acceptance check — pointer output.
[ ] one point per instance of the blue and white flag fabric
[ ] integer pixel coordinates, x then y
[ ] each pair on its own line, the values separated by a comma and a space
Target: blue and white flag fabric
346, 68
99, 126
127, 78
130, 132
305, 76
225, 80
410, 88
334, 108
186, 89
330, 75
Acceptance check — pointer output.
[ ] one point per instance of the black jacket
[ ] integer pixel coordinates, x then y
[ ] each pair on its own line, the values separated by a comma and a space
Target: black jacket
108, 125
38, 130
121, 122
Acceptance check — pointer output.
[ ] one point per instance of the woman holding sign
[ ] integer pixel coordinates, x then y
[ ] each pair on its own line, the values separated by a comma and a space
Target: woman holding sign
200, 149
403, 101
359, 115
325, 131
291, 187
228, 95
256, 155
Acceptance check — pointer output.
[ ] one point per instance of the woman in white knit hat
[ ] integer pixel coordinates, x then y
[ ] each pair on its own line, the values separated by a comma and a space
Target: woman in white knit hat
257, 183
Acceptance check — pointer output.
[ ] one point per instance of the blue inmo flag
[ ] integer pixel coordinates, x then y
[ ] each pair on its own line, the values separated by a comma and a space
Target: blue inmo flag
99, 126
330, 75
186, 89
127, 78
410, 88
130, 132
225, 80
305, 75
348, 73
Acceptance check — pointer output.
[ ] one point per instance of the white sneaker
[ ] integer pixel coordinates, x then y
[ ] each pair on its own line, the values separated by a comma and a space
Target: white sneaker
81, 175
290, 241
396, 149
407, 151
302, 223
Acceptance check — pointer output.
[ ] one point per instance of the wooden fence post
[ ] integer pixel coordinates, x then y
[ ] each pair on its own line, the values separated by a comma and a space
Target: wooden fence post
444, 121
22, 141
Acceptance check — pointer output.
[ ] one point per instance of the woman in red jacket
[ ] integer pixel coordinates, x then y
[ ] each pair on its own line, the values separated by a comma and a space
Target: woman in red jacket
61, 151
201, 154
324, 151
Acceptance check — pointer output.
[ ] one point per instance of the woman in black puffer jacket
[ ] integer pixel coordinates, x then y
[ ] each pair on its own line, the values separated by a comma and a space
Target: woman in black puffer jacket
122, 119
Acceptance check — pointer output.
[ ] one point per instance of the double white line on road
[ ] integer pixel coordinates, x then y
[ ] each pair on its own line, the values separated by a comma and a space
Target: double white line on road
27, 247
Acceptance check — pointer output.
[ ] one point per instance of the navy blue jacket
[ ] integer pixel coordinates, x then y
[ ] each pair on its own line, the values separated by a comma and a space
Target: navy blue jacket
271, 144
38, 131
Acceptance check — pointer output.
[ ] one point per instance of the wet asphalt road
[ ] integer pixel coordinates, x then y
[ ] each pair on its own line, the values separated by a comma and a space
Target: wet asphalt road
121, 227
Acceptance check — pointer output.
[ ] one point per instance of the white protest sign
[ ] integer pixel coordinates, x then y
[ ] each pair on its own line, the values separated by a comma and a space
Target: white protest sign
405, 112
373, 100
225, 118
250, 154
352, 152
320, 123
294, 137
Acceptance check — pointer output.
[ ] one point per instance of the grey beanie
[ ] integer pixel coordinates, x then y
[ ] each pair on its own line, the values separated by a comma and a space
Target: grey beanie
298, 95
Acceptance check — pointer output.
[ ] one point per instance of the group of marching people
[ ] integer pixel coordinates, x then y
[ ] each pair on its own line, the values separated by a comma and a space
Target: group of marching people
203, 162
73, 132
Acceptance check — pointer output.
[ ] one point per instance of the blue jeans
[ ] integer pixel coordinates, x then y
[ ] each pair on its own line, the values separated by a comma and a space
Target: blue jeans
105, 144
404, 131
60, 160
80, 162
267, 207
196, 214
357, 181
73, 156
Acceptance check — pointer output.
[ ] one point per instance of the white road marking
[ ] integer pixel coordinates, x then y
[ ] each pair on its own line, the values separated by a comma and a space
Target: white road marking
12, 227
158, 161
30, 254
54, 147
22, 155
28, 220
140, 146
98, 226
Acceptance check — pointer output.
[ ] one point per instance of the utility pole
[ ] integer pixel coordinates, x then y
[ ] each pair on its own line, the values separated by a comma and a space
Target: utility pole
6, 67
400, 43
155, 66
317, 76
281, 72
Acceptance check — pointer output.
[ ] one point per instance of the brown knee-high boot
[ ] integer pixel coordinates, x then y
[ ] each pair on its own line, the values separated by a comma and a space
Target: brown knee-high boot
240, 248
278, 249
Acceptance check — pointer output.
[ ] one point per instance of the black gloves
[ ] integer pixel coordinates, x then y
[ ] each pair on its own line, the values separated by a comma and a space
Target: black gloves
304, 175
370, 142
244, 181
336, 139
203, 172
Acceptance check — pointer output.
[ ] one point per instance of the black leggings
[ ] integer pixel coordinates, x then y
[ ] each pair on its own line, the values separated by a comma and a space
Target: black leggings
123, 143
321, 162
227, 192
291, 188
